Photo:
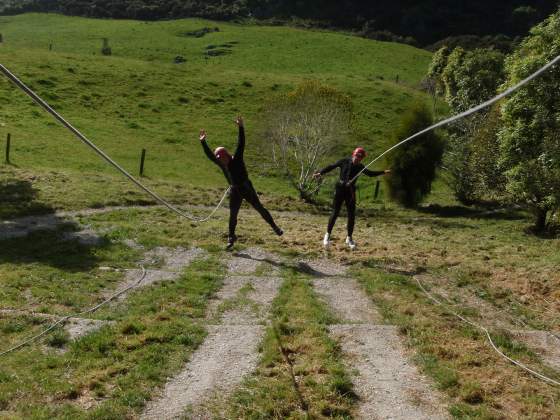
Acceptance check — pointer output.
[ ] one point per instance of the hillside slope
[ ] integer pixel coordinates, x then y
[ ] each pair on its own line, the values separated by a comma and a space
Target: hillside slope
139, 98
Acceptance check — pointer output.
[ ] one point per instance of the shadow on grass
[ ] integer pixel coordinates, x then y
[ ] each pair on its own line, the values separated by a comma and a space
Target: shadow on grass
53, 248
487, 213
300, 267
18, 198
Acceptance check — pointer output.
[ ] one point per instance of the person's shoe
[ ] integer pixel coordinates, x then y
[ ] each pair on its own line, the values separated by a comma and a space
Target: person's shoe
327, 240
351, 244
278, 231
231, 242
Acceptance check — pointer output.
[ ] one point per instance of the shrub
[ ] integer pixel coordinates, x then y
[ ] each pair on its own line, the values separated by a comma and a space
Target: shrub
415, 163
302, 128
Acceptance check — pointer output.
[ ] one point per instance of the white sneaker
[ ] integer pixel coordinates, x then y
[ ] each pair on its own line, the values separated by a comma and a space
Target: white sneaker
351, 244
327, 240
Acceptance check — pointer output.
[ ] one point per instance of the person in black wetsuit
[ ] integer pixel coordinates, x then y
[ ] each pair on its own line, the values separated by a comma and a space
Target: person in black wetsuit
236, 174
345, 191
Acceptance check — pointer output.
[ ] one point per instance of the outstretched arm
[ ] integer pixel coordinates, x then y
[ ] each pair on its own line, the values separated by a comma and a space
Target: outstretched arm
369, 173
241, 139
205, 147
329, 168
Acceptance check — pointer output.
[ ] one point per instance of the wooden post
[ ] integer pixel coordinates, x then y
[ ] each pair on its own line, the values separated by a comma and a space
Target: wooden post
50, 47
8, 145
377, 185
142, 159
397, 79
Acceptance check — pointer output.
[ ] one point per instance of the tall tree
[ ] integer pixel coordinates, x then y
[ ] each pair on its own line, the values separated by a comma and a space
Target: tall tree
530, 137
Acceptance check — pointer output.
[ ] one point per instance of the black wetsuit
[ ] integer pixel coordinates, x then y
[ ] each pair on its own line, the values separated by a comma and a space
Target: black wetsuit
345, 192
241, 187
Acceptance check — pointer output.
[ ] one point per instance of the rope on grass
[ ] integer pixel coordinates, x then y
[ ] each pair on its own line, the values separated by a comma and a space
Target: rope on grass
463, 114
62, 320
488, 336
39, 101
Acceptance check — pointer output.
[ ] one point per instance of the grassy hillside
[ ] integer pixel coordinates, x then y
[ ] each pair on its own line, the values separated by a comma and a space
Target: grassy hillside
138, 98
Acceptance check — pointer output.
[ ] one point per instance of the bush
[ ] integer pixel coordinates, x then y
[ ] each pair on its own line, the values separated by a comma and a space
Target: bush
414, 164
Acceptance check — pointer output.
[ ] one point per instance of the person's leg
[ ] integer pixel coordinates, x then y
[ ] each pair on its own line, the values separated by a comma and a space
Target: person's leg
252, 198
235, 200
337, 205
351, 210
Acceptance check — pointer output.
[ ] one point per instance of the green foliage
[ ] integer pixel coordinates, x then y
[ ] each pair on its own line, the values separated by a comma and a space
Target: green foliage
435, 72
414, 164
470, 78
530, 140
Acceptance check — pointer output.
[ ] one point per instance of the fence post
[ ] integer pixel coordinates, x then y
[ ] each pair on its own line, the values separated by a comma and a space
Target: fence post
142, 159
8, 145
377, 185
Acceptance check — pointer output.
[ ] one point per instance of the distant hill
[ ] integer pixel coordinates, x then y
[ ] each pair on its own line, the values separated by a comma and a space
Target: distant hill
426, 21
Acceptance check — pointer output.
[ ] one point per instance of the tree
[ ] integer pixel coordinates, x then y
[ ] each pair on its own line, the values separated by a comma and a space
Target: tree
470, 78
414, 165
530, 137
303, 127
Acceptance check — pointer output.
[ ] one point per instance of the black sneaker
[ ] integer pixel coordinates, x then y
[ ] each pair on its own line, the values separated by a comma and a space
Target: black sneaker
278, 231
231, 242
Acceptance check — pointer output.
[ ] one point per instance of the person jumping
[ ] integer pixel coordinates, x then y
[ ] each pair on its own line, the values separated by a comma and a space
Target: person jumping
345, 191
236, 174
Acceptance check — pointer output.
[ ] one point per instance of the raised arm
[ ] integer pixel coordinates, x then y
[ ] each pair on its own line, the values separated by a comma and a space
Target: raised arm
206, 148
241, 139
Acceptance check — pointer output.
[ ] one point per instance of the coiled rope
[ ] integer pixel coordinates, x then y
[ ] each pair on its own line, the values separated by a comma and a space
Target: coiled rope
462, 115
102, 154
62, 320
488, 336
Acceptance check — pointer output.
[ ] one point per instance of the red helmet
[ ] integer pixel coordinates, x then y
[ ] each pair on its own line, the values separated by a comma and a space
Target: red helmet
359, 152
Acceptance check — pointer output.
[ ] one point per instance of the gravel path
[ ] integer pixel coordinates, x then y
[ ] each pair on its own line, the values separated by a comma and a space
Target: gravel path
388, 384
227, 354
237, 317
347, 301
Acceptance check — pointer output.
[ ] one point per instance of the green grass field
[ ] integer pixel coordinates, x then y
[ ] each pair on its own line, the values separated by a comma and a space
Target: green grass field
138, 98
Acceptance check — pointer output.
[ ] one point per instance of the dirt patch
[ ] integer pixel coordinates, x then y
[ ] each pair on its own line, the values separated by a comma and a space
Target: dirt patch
347, 300
543, 343
172, 260
388, 385
75, 327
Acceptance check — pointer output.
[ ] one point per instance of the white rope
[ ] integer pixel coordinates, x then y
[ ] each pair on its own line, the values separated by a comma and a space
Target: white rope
101, 153
77, 315
463, 114
488, 336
